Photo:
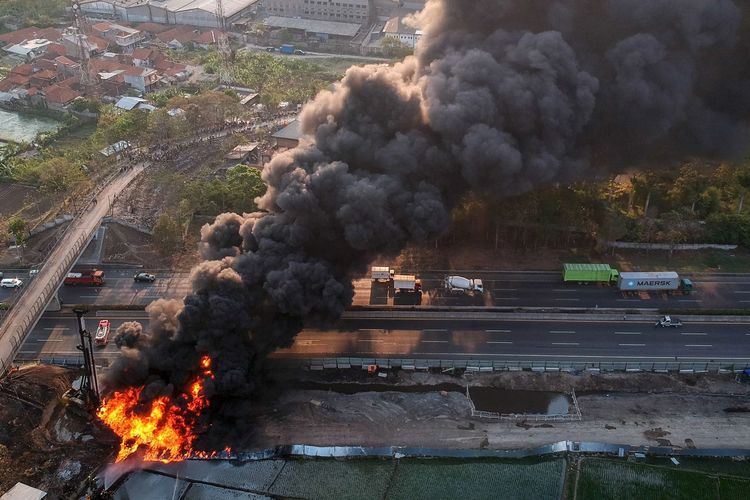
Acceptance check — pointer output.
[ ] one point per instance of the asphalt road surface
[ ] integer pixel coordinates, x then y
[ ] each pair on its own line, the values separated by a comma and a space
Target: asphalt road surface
56, 336
504, 289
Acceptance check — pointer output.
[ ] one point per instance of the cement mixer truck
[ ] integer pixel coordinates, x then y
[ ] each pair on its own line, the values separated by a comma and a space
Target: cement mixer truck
458, 285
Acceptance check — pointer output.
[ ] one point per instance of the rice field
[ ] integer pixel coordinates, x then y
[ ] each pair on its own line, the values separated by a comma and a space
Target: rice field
435, 479
602, 479
324, 479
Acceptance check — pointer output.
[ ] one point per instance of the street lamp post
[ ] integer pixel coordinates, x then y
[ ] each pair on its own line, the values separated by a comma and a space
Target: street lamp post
89, 388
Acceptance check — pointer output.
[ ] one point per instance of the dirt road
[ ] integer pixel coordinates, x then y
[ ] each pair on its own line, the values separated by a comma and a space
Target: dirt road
709, 413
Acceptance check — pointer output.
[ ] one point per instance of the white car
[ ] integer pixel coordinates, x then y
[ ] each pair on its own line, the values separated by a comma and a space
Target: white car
11, 283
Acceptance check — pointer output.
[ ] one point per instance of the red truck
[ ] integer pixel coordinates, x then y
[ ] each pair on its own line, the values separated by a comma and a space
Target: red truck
91, 277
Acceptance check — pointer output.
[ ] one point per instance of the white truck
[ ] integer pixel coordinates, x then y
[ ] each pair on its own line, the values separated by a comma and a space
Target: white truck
404, 283
458, 285
378, 273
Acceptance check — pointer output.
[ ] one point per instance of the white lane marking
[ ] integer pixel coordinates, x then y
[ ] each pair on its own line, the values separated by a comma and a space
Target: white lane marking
628, 333
563, 290
565, 343
570, 356
567, 300
504, 331
499, 342
370, 340
698, 345
57, 328
434, 341
561, 331
632, 345
49, 340
692, 333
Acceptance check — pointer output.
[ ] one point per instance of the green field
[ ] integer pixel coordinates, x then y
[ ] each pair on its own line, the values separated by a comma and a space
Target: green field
694, 479
436, 479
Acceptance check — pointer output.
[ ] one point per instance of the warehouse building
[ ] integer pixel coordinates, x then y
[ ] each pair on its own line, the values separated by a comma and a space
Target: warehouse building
189, 12
348, 11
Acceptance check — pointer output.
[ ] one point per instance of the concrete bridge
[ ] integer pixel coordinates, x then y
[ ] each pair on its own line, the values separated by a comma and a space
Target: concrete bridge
38, 292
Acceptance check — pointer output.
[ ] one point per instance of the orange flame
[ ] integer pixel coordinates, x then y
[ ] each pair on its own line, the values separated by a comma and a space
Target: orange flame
165, 431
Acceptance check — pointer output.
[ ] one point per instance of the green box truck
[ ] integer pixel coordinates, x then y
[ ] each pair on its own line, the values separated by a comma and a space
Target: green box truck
590, 273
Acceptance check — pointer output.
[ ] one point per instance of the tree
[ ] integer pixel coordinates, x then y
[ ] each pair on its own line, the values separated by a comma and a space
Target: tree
167, 234
743, 179
59, 175
17, 228
393, 47
244, 185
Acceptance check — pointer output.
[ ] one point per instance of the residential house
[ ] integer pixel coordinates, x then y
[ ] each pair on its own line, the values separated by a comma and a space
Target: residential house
30, 33
90, 43
43, 78
59, 97
67, 67
143, 79
288, 137
395, 28
206, 40
127, 39
143, 57
28, 50
178, 37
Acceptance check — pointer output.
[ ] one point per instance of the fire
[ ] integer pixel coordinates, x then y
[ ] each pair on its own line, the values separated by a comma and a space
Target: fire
166, 429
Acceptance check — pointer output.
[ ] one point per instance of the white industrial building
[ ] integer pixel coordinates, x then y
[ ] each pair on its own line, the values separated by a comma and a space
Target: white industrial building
190, 12
348, 11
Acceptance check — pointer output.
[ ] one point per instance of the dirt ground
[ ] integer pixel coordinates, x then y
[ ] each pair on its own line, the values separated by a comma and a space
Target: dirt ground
125, 245
680, 411
45, 442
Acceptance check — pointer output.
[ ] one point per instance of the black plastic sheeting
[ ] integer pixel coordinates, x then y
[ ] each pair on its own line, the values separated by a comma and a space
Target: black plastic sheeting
559, 447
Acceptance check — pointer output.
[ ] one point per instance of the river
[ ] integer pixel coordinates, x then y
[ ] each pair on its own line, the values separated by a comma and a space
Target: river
16, 127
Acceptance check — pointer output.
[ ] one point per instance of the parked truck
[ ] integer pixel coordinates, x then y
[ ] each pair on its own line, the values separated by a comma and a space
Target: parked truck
406, 284
287, 49
458, 285
669, 282
90, 277
380, 273
590, 273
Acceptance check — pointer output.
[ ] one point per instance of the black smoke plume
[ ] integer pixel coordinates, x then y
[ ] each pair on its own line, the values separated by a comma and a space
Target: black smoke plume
501, 96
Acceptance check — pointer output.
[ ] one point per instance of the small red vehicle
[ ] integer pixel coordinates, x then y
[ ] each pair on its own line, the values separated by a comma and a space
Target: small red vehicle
102, 333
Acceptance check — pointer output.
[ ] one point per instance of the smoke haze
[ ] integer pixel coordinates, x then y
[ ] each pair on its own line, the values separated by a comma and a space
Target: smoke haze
501, 96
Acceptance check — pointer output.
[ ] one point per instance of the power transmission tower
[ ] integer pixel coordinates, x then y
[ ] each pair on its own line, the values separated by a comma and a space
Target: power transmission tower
225, 51
79, 21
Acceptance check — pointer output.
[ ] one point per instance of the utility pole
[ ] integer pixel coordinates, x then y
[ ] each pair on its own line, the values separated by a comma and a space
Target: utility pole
79, 21
225, 51
89, 389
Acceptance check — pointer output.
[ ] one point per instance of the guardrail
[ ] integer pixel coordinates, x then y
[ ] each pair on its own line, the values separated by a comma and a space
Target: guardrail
604, 365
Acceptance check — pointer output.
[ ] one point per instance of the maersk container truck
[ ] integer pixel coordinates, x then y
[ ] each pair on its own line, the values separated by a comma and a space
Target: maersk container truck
668, 281
589, 273
286, 49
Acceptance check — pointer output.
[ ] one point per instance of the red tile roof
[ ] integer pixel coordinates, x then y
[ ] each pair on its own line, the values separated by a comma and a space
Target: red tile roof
22, 69
56, 49
206, 37
45, 75
152, 27
65, 61
60, 95
98, 41
102, 27
45, 64
182, 34
30, 33
18, 80
142, 53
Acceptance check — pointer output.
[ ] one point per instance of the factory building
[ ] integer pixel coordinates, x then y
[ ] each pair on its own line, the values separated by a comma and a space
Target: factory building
348, 11
189, 12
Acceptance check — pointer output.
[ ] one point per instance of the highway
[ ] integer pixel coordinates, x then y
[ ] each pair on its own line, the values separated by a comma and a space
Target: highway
504, 289
56, 336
